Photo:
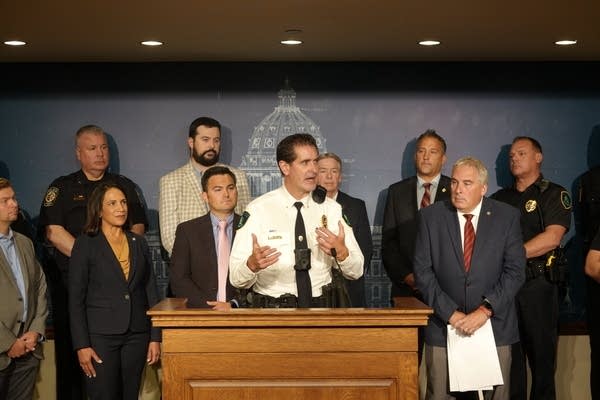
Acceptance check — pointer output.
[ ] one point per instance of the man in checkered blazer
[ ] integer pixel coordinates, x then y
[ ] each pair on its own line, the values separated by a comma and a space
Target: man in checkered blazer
179, 198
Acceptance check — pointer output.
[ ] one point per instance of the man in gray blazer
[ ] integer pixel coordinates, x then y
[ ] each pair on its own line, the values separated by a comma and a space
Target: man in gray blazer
469, 264
23, 309
196, 258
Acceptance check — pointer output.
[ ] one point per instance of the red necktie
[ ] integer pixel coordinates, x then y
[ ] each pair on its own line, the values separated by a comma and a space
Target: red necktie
469, 241
223, 260
426, 200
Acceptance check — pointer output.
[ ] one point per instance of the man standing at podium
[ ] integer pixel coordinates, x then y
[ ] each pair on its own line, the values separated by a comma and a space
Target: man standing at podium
287, 240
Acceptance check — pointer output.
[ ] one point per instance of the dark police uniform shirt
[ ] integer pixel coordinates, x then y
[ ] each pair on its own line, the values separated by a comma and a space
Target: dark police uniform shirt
65, 204
553, 200
596, 242
589, 199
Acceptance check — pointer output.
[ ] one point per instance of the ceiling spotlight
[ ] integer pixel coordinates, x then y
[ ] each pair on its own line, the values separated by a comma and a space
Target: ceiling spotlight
291, 42
429, 42
15, 43
152, 43
292, 37
565, 42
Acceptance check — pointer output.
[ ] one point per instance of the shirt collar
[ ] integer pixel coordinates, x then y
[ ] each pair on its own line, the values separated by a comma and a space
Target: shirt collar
474, 211
7, 237
215, 220
289, 200
434, 182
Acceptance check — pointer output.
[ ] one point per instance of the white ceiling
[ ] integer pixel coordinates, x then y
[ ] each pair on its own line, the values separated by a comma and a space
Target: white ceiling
351, 30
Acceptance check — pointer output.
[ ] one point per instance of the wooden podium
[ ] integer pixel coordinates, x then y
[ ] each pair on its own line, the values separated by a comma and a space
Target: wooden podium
280, 354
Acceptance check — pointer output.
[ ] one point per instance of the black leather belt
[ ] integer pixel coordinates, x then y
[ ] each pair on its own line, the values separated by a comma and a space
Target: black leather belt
284, 301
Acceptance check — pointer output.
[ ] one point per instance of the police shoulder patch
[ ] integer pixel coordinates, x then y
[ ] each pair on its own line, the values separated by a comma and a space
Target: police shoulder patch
51, 196
243, 219
347, 220
565, 199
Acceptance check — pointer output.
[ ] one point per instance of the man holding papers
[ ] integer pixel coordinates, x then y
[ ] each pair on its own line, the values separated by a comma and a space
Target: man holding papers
469, 264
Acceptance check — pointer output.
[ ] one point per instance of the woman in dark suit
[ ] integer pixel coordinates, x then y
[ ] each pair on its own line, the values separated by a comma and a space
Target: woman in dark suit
111, 286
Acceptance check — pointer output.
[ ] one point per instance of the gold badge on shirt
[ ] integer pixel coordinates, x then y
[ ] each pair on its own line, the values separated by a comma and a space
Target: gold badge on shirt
324, 221
530, 206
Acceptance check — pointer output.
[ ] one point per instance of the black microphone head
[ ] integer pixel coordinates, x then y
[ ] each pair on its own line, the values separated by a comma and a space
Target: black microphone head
319, 194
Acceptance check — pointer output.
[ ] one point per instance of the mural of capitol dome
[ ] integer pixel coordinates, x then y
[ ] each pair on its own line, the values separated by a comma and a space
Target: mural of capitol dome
260, 161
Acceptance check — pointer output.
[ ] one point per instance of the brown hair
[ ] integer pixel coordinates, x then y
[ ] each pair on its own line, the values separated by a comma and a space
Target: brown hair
94, 208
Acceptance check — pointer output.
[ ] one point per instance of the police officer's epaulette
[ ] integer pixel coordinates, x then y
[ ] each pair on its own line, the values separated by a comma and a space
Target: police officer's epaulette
543, 184
347, 220
243, 219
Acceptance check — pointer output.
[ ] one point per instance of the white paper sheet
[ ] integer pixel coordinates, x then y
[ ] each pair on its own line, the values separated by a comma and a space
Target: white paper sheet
473, 360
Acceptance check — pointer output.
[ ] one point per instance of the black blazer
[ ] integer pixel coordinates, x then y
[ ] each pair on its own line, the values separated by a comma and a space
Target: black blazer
101, 301
356, 212
194, 272
400, 230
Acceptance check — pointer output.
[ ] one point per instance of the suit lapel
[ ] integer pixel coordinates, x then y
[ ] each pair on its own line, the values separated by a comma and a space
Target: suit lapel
192, 181
207, 234
108, 255
443, 191
483, 229
454, 234
133, 256
22, 263
5, 267
413, 195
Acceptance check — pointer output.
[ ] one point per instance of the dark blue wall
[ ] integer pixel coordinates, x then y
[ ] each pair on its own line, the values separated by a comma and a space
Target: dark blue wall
369, 114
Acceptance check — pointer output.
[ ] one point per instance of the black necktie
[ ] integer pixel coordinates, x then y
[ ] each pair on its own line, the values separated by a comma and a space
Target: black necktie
302, 261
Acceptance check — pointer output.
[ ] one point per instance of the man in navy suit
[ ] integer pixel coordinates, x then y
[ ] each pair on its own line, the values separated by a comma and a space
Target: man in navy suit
197, 257
404, 200
468, 264
330, 177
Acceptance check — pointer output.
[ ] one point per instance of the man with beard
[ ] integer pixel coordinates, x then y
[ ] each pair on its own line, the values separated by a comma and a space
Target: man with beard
180, 191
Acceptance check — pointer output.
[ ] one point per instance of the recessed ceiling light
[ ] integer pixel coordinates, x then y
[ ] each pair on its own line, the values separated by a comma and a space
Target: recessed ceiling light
429, 42
292, 37
15, 43
152, 43
291, 42
565, 42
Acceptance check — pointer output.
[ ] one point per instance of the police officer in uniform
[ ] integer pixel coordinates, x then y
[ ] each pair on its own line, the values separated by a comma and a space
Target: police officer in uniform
62, 216
545, 218
286, 268
589, 199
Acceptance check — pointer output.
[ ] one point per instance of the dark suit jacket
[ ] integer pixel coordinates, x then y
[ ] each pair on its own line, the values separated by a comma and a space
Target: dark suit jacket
497, 267
400, 229
11, 305
356, 212
101, 301
194, 272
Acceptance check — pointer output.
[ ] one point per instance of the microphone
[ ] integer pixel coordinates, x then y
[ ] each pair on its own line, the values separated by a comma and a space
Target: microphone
319, 194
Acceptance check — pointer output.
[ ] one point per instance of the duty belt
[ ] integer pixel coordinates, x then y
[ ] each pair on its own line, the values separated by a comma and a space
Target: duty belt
535, 267
284, 301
